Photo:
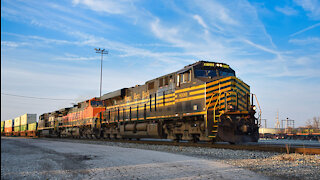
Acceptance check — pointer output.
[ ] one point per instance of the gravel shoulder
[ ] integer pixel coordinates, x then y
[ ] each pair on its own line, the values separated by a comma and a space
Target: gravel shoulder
271, 164
23, 158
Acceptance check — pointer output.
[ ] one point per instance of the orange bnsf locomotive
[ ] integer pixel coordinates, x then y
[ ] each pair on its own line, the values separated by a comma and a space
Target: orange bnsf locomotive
81, 120
203, 101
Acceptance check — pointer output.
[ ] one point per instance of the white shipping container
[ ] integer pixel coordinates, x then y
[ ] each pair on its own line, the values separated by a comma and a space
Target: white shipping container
17, 121
8, 123
28, 118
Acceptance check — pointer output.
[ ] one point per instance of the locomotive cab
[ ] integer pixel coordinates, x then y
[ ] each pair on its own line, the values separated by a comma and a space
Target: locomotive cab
230, 114
95, 103
208, 71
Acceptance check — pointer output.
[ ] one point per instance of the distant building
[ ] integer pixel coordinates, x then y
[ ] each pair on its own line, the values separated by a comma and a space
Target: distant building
269, 130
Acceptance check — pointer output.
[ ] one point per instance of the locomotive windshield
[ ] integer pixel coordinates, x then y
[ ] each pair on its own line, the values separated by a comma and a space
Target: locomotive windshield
96, 103
205, 73
212, 70
226, 72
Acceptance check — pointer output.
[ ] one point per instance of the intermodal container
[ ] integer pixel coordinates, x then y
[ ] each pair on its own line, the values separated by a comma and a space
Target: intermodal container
8, 126
27, 119
32, 126
2, 126
17, 124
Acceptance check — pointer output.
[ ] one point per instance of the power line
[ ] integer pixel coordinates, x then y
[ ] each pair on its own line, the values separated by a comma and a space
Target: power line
32, 97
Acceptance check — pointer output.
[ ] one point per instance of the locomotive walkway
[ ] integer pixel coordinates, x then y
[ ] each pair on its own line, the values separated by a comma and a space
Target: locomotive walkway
43, 159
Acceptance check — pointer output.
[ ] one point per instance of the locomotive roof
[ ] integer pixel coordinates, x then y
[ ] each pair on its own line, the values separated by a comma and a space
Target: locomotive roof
187, 68
202, 62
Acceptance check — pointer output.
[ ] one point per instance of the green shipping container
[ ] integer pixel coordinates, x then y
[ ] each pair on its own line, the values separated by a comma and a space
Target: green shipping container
17, 129
23, 127
32, 126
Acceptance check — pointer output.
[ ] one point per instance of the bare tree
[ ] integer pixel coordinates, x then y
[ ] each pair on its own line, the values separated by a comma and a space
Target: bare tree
316, 122
309, 123
313, 123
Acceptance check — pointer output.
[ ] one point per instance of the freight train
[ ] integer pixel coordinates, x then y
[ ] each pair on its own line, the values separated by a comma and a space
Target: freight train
203, 101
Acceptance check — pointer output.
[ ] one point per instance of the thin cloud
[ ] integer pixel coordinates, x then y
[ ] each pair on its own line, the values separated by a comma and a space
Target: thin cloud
287, 10
32, 40
14, 44
305, 41
261, 47
305, 29
167, 34
108, 6
57, 17
201, 22
77, 58
311, 6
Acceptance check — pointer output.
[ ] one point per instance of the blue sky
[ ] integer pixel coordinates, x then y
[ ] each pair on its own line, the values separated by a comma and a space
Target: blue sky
47, 49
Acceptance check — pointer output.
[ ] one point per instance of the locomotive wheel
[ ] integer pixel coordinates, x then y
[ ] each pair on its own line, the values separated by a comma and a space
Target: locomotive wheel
97, 134
195, 138
106, 136
178, 137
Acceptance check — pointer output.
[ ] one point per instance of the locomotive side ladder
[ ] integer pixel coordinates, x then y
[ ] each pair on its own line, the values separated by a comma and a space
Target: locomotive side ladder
213, 125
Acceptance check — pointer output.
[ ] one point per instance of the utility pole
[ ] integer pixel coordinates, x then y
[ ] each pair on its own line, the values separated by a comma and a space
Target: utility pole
277, 123
288, 123
265, 122
102, 52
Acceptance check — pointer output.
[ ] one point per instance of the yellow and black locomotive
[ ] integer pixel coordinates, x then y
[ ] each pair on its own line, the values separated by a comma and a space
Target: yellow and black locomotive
203, 101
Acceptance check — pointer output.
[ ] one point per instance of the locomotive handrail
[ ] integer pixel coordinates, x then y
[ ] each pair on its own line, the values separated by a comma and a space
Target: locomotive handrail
213, 94
260, 112
97, 119
207, 107
214, 109
226, 99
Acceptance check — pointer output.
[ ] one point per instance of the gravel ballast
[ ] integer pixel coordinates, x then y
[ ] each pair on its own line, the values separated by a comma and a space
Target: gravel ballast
272, 164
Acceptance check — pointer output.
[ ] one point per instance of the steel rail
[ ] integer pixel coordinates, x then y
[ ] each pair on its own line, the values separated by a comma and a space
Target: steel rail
280, 148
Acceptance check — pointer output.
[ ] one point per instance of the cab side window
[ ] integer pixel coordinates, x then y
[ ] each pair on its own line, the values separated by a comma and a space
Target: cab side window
150, 85
160, 82
166, 80
186, 77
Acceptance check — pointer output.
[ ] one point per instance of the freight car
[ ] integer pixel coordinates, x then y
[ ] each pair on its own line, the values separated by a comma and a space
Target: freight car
2, 128
16, 129
9, 127
24, 125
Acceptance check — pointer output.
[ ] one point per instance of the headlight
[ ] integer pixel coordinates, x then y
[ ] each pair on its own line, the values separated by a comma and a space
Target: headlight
254, 107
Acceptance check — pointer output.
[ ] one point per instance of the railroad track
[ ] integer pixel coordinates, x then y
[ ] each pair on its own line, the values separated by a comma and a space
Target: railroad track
281, 148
